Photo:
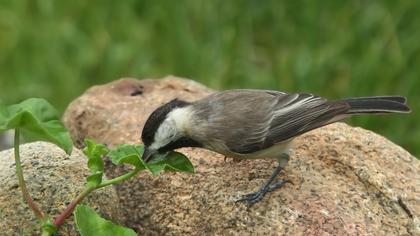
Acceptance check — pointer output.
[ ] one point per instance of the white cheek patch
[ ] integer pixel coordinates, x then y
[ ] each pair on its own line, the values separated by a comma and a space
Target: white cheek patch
181, 117
163, 135
172, 127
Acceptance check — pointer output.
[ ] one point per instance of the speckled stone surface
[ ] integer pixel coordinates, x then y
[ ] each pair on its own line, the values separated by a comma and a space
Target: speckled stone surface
54, 179
346, 181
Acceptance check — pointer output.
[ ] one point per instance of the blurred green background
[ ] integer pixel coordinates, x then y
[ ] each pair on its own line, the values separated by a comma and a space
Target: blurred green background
57, 49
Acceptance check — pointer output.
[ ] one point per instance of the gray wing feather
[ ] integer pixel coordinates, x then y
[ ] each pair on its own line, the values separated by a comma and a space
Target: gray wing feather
251, 120
287, 118
304, 113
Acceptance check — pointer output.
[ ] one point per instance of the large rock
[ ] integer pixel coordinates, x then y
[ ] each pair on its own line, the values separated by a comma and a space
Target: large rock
346, 181
53, 179
6, 140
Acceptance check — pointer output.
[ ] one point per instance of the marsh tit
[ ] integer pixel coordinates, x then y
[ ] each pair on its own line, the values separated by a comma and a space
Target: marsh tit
252, 124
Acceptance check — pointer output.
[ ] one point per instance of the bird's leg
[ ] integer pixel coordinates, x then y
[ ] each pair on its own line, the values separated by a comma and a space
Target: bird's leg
267, 187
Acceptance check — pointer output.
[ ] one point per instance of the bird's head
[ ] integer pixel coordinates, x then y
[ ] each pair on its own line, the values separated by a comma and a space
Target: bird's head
164, 129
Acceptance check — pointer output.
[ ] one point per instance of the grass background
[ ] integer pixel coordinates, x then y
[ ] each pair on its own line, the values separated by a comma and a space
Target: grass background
57, 49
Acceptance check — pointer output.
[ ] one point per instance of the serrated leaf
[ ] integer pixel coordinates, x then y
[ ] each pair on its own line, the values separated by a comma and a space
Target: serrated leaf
89, 223
37, 117
129, 154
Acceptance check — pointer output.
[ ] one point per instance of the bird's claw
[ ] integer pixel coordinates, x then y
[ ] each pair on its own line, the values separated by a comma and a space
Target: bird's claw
252, 198
255, 197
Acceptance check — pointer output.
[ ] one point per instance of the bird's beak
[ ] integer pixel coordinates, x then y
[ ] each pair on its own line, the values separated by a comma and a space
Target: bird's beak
148, 154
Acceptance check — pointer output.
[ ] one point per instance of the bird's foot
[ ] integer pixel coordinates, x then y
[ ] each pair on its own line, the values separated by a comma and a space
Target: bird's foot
255, 197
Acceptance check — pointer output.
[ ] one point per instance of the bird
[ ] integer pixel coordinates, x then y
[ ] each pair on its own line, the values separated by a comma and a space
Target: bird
252, 124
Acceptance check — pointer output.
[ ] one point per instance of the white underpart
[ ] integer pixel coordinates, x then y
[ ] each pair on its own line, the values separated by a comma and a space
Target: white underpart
174, 126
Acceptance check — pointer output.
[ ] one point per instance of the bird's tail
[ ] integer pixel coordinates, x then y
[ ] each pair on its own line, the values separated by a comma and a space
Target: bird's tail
380, 104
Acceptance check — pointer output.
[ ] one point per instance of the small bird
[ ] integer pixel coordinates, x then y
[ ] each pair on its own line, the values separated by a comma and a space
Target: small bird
252, 124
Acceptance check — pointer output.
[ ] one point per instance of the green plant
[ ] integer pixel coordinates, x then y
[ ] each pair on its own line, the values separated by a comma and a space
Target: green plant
38, 118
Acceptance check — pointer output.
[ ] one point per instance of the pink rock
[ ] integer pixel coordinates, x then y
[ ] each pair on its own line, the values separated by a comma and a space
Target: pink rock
346, 181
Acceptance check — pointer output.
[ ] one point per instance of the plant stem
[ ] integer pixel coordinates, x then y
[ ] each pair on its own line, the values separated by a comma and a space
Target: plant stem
26, 197
119, 178
67, 212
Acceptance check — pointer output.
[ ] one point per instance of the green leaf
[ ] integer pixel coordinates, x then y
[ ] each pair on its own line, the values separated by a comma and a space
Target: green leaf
49, 227
89, 223
172, 161
129, 154
94, 180
38, 118
95, 152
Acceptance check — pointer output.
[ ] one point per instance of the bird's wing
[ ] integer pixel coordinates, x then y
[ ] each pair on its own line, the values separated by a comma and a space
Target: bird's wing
302, 113
272, 117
